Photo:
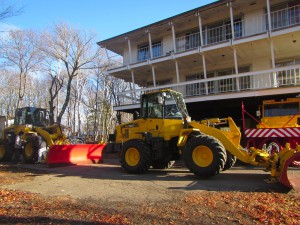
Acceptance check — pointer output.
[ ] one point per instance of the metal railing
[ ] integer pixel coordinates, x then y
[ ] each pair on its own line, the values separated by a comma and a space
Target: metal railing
285, 17
210, 36
267, 79
187, 42
144, 53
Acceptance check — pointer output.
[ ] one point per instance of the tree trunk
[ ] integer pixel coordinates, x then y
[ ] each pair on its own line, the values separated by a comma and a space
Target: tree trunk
67, 100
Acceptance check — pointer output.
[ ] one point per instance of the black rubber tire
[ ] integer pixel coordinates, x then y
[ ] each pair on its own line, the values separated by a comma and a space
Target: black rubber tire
231, 160
7, 151
141, 148
217, 155
30, 154
162, 164
31, 149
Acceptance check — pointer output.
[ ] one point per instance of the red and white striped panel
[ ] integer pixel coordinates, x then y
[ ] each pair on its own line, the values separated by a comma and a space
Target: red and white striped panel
273, 132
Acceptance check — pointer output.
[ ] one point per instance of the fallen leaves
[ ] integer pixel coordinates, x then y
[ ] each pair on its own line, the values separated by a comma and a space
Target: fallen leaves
23, 207
264, 208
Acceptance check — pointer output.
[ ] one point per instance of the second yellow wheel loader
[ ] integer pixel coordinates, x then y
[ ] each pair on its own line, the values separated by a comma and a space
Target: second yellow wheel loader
164, 132
31, 126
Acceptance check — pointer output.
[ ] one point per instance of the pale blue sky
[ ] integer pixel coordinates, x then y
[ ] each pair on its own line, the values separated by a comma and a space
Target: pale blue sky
106, 17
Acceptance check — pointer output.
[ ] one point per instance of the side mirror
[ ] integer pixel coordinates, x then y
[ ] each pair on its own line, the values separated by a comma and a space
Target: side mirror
136, 115
160, 100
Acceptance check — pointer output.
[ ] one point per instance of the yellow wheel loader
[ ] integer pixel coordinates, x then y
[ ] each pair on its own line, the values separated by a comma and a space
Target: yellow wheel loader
31, 129
164, 132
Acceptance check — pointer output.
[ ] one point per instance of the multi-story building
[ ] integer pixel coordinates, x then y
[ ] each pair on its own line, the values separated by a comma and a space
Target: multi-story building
217, 55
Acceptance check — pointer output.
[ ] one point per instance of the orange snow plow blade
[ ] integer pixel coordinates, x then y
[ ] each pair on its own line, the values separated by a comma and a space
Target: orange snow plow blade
290, 174
60, 155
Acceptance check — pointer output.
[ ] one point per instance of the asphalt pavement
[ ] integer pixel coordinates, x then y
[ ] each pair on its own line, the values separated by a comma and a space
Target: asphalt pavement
108, 181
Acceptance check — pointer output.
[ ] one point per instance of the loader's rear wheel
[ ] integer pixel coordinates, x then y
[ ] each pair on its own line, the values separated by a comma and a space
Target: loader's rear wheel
162, 164
6, 152
135, 156
205, 156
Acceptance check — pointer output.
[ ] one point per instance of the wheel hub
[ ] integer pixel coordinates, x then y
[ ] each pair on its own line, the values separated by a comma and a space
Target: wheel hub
132, 156
28, 150
202, 156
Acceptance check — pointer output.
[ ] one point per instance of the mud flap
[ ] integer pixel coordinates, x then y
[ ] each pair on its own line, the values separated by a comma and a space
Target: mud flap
290, 176
62, 155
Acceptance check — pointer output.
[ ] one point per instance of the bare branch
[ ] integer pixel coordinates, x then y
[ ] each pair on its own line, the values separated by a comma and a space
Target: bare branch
10, 11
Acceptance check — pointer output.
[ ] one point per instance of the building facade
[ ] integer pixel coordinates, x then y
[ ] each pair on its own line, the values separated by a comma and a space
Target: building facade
217, 55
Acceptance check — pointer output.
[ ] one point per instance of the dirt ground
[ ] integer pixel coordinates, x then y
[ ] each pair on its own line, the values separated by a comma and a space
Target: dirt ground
105, 194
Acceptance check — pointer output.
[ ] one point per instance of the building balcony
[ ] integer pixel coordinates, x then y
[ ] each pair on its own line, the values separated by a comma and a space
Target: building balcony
237, 85
242, 26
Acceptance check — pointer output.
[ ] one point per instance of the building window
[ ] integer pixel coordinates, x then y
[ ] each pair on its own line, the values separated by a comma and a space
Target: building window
144, 51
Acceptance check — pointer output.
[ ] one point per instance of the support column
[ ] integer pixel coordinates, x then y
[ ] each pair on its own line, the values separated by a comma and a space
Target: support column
231, 21
177, 71
274, 75
269, 16
153, 76
272, 53
150, 44
173, 36
133, 84
200, 28
205, 73
129, 50
236, 67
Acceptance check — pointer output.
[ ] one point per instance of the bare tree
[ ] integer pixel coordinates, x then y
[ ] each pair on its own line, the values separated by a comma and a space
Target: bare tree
75, 49
9, 11
21, 52
55, 81
8, 94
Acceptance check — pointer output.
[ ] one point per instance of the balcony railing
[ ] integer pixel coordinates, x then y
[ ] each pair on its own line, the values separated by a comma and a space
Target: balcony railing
188, 42
144, 53
285, 17
267, 79
280, 19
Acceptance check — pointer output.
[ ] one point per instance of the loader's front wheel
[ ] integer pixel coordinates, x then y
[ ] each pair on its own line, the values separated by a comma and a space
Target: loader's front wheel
30, 154
205, 156
135, 156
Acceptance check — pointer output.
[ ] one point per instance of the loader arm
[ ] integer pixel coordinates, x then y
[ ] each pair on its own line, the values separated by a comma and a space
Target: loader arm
45, 135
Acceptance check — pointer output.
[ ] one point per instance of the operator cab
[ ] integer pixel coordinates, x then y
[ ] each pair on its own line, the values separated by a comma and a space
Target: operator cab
32, 116
163, 105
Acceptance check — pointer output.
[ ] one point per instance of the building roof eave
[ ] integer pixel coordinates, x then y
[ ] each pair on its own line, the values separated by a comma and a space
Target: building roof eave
109, 41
